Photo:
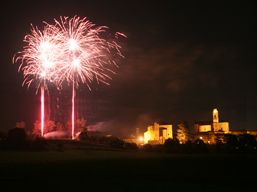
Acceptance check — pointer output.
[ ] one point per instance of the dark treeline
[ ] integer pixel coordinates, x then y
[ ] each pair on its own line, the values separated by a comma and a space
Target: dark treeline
18, 139
226, 143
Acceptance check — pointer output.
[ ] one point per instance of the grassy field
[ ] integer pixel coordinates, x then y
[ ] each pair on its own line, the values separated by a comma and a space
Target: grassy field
102, 170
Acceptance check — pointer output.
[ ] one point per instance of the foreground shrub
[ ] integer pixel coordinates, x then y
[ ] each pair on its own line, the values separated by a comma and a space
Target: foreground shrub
115, 142
40, 144
2, 135
83, 136
148, 148
17, 139
132, 146
171, 145
200, 146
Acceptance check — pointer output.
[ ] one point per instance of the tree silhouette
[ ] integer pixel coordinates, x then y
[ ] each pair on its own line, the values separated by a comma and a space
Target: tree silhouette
183, 132
16, 138
171, 145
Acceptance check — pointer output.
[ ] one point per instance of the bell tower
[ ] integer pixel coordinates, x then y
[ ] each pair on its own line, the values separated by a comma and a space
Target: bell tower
215, 115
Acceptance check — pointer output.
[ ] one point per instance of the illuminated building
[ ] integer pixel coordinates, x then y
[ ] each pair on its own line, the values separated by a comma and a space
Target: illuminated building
158, 133
206, 130
212, 126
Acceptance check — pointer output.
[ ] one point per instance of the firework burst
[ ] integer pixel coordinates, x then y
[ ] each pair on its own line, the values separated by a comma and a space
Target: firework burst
84, 52
70, 50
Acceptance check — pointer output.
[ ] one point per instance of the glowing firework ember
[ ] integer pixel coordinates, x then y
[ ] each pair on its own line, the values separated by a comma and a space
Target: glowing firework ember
70, 50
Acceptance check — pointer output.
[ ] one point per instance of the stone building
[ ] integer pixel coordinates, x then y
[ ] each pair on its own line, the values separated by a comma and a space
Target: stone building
207, 130
214, 126
158, 133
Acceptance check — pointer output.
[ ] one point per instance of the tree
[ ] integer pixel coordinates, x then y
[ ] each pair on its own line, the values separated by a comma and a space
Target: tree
37, 128
59, 127
17, 134
16, 138
83, 136
68, 127
20, 125
2, 139
219, 140
247, 140
116, 142
188, 147
2, 135
81, 124
40, 143
171, 145
183, 132
231, 140
132, 146
50, 125
200, 146
148, 148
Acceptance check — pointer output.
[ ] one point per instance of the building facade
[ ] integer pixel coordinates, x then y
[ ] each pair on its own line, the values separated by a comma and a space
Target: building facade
212, 126
207, 130
158, 133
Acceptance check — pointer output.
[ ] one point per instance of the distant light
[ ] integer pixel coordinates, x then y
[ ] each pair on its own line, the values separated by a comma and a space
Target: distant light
180, 142
208, 141
201, 137
141, 139
215, 111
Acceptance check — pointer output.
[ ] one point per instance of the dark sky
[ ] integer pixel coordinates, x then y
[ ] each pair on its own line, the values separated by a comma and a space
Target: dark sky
181, 60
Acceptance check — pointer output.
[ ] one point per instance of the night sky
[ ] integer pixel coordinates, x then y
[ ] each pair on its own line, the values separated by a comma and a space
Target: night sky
181, 61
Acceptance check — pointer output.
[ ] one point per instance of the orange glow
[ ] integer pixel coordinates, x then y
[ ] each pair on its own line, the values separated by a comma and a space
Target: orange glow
215, 111
141, 139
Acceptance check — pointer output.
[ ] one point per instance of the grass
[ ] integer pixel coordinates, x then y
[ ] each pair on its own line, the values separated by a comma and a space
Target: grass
71, 155
105, 170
